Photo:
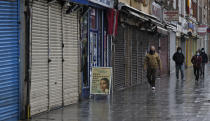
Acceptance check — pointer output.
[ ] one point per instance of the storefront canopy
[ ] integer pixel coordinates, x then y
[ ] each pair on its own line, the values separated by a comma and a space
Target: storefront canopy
143, 16
84, 2
87, 3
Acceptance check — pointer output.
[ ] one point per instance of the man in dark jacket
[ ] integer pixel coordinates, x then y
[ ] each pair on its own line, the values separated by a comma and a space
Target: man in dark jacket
178, 57
196, 61
204, 61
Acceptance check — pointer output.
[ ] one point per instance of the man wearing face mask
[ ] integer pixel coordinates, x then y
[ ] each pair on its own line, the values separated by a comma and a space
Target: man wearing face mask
151, 64
196, 61
178, 57
204, 61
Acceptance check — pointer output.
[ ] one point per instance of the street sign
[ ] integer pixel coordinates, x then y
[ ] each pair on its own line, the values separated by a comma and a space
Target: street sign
171, 15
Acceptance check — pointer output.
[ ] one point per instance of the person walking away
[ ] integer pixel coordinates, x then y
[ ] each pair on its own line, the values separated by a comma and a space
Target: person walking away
196, 61
151, 64
204, 61
178, 58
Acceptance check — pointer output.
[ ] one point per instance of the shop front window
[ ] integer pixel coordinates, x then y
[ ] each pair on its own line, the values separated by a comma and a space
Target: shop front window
93, 49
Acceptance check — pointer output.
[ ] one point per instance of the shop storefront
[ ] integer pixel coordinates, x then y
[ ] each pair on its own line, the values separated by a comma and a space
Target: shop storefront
54, 56
191, 44
135, 36
95, 43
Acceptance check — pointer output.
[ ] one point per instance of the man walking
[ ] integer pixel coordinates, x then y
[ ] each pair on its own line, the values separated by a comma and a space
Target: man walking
151, 64
204, 61
196, 61
178, 57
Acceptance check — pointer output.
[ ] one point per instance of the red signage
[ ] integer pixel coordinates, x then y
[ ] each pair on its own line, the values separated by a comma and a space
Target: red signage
171, 15
202, 29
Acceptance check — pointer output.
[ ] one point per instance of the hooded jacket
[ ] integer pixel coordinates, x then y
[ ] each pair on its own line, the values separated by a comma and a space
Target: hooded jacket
178, 58
152, 61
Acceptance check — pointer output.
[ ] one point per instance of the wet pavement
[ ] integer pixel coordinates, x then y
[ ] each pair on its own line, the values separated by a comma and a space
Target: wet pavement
172, 101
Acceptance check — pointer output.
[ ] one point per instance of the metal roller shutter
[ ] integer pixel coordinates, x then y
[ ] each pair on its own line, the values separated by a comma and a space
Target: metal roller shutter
119, 63
55, 56
134, 57
71, 58
9, 60
39, 57
140, 56
145, 46
128, 39
164, 54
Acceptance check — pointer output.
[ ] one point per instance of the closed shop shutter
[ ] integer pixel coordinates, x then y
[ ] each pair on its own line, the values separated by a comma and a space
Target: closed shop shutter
9, 60
142, 47
134, 57
128, 39
55, 56
71, 56
39, 57
119, 63
164, 54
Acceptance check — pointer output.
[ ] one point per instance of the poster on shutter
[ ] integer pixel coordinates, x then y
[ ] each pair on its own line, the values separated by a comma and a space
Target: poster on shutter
101, 80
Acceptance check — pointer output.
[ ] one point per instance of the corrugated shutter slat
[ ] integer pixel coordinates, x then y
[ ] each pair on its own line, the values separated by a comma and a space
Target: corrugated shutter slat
71, 58
9, 57
39, 73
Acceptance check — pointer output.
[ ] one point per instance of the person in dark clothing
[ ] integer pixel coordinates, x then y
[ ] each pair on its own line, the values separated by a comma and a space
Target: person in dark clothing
196, 61
178, 57
204, 61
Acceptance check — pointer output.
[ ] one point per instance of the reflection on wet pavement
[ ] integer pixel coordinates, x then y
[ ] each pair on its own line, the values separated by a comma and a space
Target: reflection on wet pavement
173, 100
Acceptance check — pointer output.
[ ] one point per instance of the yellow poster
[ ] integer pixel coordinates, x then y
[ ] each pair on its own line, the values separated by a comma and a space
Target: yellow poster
101, 80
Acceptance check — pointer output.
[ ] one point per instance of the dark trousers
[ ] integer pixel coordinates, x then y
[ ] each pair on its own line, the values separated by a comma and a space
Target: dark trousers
202, 69
181, 69
151, 75
196, 73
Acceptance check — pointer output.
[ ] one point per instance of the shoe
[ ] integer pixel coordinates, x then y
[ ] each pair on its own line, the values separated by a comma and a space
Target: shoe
153, 88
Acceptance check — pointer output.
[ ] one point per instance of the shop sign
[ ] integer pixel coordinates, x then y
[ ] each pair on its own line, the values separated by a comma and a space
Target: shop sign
202, 29
101, 80
156, 10
106, 3
171, 15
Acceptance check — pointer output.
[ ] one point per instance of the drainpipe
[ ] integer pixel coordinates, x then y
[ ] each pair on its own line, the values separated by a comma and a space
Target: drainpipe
28, 56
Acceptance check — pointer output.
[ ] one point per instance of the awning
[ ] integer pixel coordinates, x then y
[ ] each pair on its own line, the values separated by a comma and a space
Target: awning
87, 3
137, 15
140, 14
121, 5
84, 2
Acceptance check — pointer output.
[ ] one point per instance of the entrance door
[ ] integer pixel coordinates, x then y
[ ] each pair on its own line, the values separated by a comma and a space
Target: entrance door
55, 56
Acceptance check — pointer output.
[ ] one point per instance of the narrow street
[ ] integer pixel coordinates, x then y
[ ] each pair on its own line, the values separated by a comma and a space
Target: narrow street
172, 101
